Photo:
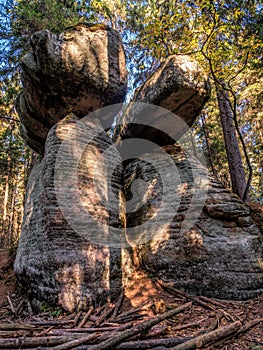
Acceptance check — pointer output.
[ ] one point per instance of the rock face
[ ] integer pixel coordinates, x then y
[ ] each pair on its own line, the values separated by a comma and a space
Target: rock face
60, 261
216, 251
179, 85
181, 224
78, 71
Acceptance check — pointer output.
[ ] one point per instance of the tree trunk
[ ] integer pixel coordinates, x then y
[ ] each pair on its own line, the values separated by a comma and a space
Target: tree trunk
5, 202
260, 165
10, 238
207, 141
236, 169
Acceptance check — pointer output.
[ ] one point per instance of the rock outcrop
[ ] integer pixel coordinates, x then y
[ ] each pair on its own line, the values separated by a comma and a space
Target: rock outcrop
64, 256
179, 85
215, 251
79, 71
181, 224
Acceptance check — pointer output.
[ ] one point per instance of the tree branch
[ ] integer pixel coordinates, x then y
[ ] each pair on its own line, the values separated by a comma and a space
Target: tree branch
11, 119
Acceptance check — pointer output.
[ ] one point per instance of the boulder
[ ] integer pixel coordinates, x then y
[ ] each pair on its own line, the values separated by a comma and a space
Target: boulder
79, 71
180, 86
65, 256
186, 228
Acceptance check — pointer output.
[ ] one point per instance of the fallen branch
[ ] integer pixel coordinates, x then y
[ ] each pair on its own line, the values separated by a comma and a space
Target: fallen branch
85, 318
51, 323
19, 326
11, 305
249, 325
128, 314
213, 301
149, 344
97, 329
188, 325
12, 343
143, 326
117, 306
107, 311
173, 290
242, 330
215, 324
204, 339
76, 342
76, 319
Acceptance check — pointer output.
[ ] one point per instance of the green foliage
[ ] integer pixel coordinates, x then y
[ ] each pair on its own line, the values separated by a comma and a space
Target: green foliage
53, 312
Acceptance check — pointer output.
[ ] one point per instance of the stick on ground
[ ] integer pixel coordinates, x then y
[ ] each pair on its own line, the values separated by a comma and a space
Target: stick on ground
204, 339
143, 326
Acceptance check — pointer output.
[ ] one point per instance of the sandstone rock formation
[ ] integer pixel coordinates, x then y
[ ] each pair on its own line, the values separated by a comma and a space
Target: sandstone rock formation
60, 264
78, 71
218, 254
181, 224
179, 85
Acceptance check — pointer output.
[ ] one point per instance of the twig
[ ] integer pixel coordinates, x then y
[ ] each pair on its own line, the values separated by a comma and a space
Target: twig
242, 330
20, 306
76, 342
204, 339
143, 326
212, 301
132, 311
11, 305
99, 309
188, 325
52, 323
85, 318
29, 307
8, 343
117, 306
11, 119
171, 289
149, 344
107, 311
214, 325
18, 326
76, 319
98, 329
249, 325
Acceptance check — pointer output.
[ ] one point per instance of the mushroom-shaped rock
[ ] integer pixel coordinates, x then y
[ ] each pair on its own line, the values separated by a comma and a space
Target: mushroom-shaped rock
180, 86
187, 229
64, 255
79, 71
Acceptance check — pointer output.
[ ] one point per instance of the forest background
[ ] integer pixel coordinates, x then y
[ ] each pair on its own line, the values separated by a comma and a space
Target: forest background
225, 37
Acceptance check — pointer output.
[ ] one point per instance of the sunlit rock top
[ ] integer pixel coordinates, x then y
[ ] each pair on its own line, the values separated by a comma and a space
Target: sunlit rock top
78, 71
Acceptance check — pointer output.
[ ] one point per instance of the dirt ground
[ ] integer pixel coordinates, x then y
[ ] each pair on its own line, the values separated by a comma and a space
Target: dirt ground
203, 315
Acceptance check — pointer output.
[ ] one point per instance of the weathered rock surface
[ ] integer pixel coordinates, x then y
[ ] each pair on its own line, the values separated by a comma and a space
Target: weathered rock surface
60, 260
179, 85
219, 255
70, 250
78, 71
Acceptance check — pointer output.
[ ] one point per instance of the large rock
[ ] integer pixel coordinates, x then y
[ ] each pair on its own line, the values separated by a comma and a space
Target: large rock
207, 245
78, 71
64, 255
180, 86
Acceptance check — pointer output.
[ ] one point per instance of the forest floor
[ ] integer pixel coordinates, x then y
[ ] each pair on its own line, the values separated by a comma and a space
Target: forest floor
202, 321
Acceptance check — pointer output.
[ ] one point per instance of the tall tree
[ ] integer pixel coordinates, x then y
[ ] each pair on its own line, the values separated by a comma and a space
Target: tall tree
223, 37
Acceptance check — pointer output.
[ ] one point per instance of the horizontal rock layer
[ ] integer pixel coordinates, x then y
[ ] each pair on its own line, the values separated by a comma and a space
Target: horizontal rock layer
210, 245
63, 256
79, 71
